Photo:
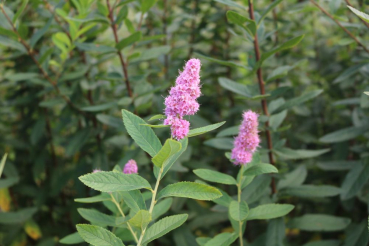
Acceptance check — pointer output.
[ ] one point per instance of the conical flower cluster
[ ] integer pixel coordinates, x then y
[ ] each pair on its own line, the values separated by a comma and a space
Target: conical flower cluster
182, 99
130, 167
247, 141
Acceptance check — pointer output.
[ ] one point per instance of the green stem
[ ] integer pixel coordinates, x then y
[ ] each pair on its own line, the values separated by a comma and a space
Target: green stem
153, 202
122, 213
239, 191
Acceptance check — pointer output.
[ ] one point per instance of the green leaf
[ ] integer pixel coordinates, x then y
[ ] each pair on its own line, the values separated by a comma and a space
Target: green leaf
98, 236
99, 198
20, 10
5, 183
355, 180
235, 87
230, 131
238, 210
214, 176
297, 101
110, 120
73, 238
96, 217
95, 47
276, 232
133, 38
356, 235
222, 239
269, 211
319, 222
172, 159
205, 129
241, 21
260, 169
324, 243
113, 181
279, 72
134, 200
156, 126
157, 117
294, 178
161, 208
362, 15
2, 163
143, 136
170, 148
190, 190
312, 191
220, 143
288, 154
141, 219
348, 73
343, 134
101, 107
268, 9
18, 217
164, 226
230, 3
7, 32
146, 5
287, 45
152, 53
337, 165
222, 62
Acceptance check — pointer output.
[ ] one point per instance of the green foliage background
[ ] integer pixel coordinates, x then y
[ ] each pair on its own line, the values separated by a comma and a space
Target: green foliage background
63, 86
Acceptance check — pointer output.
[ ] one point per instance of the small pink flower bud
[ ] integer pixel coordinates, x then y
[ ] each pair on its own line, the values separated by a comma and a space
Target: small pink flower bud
247, 141
130, 167
96, 170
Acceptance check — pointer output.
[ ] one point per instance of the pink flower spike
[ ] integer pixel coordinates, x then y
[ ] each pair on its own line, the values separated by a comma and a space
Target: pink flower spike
130, 167
179, 127
247, 141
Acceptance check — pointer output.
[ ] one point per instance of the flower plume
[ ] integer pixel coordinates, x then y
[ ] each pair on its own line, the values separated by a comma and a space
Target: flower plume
248, 140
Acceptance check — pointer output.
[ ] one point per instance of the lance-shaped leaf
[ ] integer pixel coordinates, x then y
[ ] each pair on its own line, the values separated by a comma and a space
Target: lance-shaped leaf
242, 21
2, 163
355, 180
214, 176
287, 45
98, 236
96, 217
312, 191
73, 238
170, 148
141, 219
113, 181
238, 210
269, 211
134, 200
268, 9
297, 101
222, 239
288, 154
260, 169
99, 198
144, 136
161, 208
190, 190
343, 134
205, 129
169, 163
319, 222
163, 226
235, 87
362, 15
129, 40
17, 217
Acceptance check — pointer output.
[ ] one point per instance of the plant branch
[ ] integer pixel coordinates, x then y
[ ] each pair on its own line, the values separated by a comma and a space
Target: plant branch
123, 215
121, 58
153, 202
263, 101
44, 73
239, 191
340, 25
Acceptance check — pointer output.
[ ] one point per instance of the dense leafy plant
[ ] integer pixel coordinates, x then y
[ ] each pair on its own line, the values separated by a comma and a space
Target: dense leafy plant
69, 67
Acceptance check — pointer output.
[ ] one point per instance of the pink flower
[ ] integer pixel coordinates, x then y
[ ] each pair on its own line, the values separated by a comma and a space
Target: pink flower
247, 141
130, 167
179, 127
182, 99
96, 170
